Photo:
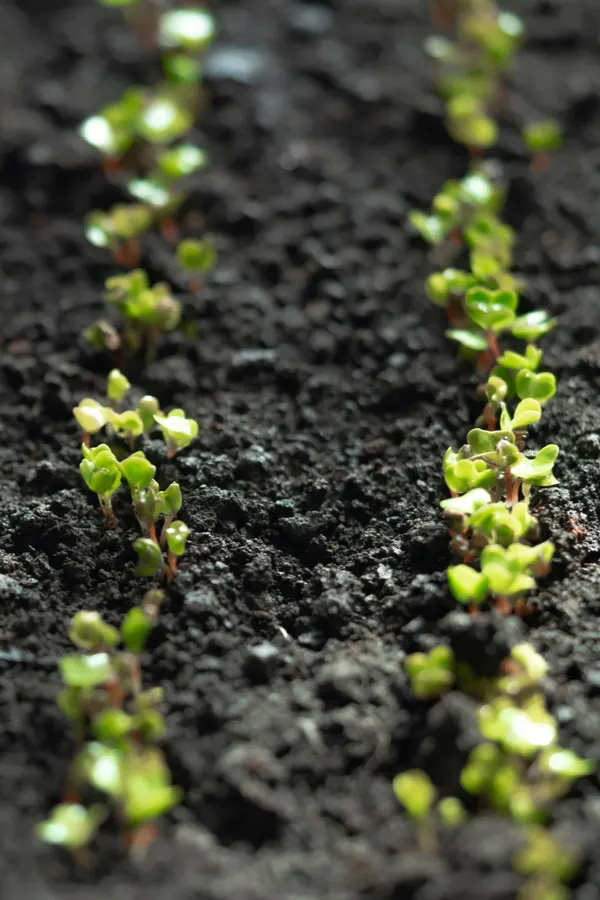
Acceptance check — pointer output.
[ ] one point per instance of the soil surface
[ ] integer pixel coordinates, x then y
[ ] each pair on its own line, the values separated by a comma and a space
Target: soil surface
326, 394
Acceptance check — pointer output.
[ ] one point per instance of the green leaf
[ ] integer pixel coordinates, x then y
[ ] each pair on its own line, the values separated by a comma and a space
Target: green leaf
540, 137
197, 256
110, 725
178, 162
190, 29
530, 360
150, 557
172, 499
467, 585
472, 340
178, 431
147, 409
431, 228
539, 386
127, 424
91, 415
465, 475
527, 412
565, 763
468, 503
91, 633
117, 385
103, 767
533, 325
77, 670
71, 825
163, 120
138, 470
415, 792
135, 630
539, 467
452, 812
491, 310
482, 441
177, 535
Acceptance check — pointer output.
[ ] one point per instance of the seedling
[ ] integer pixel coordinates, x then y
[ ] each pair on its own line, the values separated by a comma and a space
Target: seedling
147, 311
431, 674
117, 387
547, 863
119, 724
119, 230
196, 258
177, 430
177, 534
128, 425
101, 472
150, 559
542, 138
417, 794
148, 407
91, 416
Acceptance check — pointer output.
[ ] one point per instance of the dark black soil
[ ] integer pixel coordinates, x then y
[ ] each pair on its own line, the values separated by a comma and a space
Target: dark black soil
326, 394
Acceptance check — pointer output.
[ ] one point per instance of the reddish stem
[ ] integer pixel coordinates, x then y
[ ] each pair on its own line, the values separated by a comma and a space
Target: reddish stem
493, 344
489, 418
86, 439
503, 606
128, 254
540, 163
170, 230
152, 531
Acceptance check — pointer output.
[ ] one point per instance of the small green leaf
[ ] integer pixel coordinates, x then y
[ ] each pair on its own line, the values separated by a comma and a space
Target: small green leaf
541, 466
103, 767
482, 441
163, 120
71, 825
464, 475
190, 29
431, 228
540, 137
135, 630
533, 325
415, 792
529, 360
472, 340
467, 504
452, 812
491, 310
91, 415
147, 409
178, 162
91, 633
150, 557
111, 725
178, 431
77, 670
467, 585
540, 386
138, 471
177, 535
565, 763
117, 385
197, 256
527, 413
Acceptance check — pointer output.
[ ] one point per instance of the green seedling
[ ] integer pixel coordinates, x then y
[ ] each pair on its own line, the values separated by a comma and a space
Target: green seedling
171, 501
179, 162
127, 425
117, 387
466, 474
102, 474
119, 230
417, 795
196, 258
177, 534
542, 138
547, 863
530, 360
537, 472
138, 472
467, 586
118, 724
147, 311
177, 430
148, 407
150, 559
91, 416
191, 30
523, 729
538, 386
431, 674
532, 326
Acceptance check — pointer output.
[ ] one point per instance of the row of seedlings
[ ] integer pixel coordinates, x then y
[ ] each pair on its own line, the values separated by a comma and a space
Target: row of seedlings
119, 771
518, 769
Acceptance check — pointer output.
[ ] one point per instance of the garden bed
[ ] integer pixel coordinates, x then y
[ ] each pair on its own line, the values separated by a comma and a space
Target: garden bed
326, 394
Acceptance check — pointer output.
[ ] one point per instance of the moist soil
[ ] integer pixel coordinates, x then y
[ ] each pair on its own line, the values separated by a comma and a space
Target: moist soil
326, 394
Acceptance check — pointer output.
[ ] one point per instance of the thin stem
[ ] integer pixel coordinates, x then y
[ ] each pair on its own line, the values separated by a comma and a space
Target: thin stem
163, 531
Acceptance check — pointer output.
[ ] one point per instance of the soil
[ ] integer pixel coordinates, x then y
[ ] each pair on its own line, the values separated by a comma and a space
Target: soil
326, 394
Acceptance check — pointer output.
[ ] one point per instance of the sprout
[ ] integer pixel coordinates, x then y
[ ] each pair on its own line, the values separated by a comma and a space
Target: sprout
431, 674
102, 474
189, 29
117, 386
540, 386
91, 416
150, 557
532, 326
138, 472
464, 474
538, 471
491, 310
452, 812
163, 120
178, 431
127, 425
148, 407
196, 256
147, 791
91, 633
466, 585
176, 534
111, 725
541, 137
521, 729
180, 161
71, 825
79, 671
415, 792
135, 629
171, 501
